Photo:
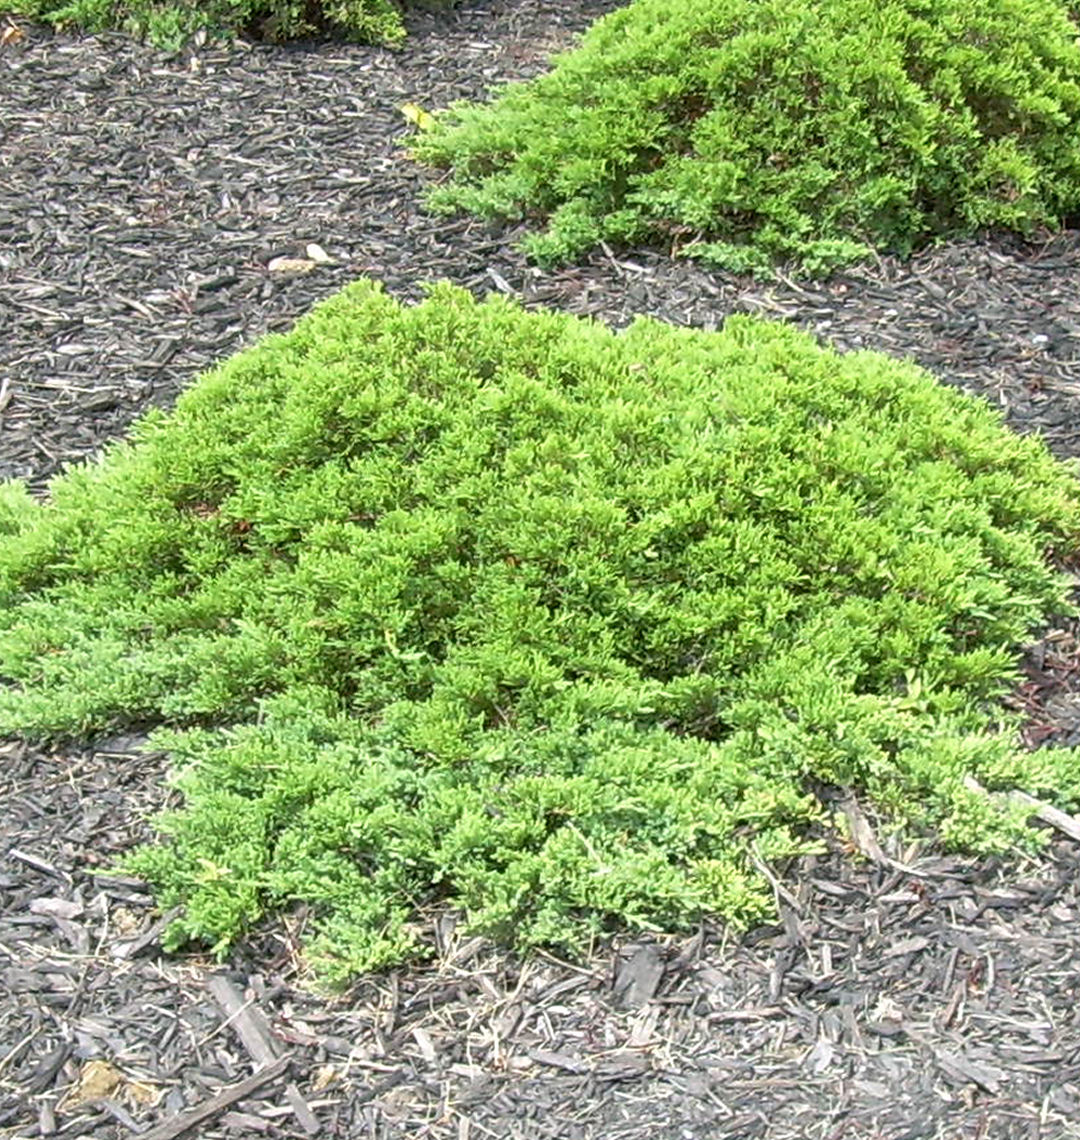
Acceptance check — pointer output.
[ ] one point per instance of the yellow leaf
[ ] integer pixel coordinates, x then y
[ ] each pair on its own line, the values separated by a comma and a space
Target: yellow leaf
97, 1079
421, 119
290, 265
325, 1075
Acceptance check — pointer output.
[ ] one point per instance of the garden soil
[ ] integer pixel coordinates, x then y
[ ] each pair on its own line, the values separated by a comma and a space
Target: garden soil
159, 212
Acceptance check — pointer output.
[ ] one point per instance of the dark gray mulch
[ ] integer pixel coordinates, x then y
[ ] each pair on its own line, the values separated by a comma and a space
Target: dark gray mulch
939, 998
144, 201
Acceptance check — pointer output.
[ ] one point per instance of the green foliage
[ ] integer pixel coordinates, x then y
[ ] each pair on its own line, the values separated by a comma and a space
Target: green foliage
169, 24
457, 604
748, 132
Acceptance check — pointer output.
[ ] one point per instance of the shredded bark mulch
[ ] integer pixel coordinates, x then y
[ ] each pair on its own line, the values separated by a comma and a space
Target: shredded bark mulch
159, 212
913, 997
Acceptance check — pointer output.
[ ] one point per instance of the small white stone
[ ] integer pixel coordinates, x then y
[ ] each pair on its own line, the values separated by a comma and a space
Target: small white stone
317, 253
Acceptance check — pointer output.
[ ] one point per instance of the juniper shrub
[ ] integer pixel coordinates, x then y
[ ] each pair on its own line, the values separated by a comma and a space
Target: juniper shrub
557, 626
751, 132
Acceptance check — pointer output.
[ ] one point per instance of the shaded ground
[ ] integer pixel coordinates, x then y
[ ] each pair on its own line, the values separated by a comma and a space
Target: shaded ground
144, 201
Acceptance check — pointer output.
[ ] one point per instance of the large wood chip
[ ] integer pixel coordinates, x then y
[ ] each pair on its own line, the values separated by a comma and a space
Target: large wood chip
638, 977
201, 1113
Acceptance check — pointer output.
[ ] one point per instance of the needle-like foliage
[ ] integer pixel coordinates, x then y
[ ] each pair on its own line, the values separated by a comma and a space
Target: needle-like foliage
751, 132
169, 23
457, 604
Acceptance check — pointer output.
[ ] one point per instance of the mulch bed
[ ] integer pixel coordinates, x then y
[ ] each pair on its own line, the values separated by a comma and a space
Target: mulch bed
145, 202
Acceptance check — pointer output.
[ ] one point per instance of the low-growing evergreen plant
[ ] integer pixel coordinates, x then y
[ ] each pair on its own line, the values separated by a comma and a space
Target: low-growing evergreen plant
751, 132
461, 605
169, 23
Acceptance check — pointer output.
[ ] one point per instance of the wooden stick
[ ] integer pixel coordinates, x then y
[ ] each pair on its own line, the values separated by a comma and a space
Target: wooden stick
178, 1125
1046, 813
249, 1024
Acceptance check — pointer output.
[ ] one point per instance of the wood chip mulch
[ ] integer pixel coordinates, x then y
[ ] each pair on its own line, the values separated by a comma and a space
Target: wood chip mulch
150, 206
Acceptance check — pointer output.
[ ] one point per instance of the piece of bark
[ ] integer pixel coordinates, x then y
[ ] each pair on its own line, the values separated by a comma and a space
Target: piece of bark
250, 1024
639, 976
302, 1110
247, 1021
185, 1121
